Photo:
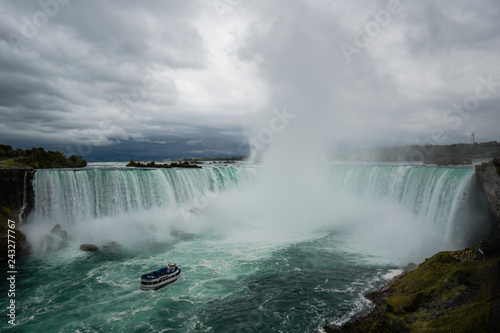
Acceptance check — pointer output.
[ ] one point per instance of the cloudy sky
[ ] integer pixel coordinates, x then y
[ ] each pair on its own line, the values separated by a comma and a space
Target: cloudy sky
110, 80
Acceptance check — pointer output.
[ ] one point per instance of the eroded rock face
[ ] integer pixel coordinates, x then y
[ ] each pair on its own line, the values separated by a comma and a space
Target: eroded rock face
489, 179
57, 239
59, 231
89, 247
51, 243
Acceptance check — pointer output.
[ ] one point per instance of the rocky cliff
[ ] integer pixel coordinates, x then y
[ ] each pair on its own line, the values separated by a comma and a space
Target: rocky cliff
16, 202
488, 175
449, 292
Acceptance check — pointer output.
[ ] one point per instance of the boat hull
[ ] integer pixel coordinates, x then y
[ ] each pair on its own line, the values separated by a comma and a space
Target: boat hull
153, 284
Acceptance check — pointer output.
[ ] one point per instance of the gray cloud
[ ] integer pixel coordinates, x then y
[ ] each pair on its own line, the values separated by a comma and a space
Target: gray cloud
397, 89
104, 75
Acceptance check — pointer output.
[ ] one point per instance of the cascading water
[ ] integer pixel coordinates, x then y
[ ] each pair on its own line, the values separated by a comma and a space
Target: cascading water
72, 196
25, 203
446, 197
253, 257
439, 202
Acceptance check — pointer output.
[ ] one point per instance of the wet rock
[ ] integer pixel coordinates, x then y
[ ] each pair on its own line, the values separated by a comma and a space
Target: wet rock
62, 245
111, 246
59, 231
89, 247
488, 175
332, 329
51, 243
410, 267
56, 229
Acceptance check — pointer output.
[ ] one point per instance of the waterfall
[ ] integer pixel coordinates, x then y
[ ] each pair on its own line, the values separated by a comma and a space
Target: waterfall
25, 200
448, 197
67, 196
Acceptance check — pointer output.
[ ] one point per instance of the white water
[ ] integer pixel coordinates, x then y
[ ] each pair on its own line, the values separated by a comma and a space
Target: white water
257, 253
401, 213
129, 206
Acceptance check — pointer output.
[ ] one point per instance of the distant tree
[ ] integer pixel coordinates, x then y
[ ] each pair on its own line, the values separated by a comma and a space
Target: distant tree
10, 153
21, 152
38, 158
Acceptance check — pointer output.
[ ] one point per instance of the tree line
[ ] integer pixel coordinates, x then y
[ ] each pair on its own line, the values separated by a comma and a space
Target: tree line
38, 158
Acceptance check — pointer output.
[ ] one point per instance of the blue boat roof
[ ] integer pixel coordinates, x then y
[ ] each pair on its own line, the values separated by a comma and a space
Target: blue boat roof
161, 272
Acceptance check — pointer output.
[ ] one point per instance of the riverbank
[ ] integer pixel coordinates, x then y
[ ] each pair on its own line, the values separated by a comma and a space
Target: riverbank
451, 291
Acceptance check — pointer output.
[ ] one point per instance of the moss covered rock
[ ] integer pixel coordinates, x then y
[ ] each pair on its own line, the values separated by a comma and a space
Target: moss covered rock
445, 294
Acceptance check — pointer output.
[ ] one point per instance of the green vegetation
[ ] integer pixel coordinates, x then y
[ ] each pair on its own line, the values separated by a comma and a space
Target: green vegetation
38, 158
223, 159
495, 162
152, 164
450, 292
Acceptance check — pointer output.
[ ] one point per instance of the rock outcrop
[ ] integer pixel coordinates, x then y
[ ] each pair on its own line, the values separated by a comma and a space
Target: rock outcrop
113, 246
57, 239
89, 247
488, 175
59, 231
16, 202
16, 193
450, 292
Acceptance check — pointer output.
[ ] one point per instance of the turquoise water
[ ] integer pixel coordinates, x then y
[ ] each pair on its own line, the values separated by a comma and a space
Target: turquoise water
241, 270
295, 288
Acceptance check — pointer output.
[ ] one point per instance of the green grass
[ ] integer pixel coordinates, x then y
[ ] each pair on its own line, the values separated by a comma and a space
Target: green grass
444, 294
12, 163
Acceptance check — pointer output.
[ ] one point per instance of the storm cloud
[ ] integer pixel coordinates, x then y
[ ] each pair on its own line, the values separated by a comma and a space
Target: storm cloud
121, 79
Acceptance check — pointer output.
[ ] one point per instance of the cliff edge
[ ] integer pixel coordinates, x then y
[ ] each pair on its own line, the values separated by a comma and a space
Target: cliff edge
16, 201
488, 175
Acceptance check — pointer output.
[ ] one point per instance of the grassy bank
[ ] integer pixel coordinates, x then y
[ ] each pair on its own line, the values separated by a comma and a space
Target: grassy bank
37, 158
449, 292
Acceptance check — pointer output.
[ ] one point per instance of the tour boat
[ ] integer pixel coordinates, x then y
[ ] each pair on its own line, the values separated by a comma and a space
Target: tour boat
160, 278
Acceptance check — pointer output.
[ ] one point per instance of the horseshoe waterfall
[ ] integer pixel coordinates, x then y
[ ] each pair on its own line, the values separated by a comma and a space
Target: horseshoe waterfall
255, 257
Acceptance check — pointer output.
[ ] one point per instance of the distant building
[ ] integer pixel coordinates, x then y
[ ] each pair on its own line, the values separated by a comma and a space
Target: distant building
472, 138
